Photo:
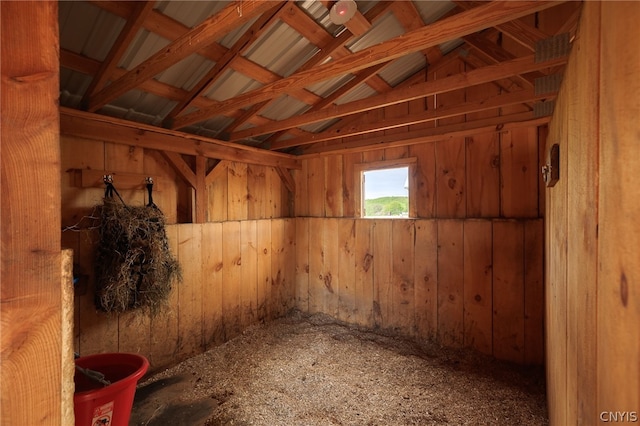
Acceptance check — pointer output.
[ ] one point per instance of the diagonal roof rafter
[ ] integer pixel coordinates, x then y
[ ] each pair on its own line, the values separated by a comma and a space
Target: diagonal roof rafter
252, 33
200, 36
462, 24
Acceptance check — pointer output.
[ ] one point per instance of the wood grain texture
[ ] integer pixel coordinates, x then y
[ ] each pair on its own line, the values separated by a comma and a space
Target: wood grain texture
450, 178
534, 292
264, 269
316, 267
330, 267
164, 326
257, 195
190, 290
249, 273
402, 303
519, 173
231, 273
426, 279
450, 283
219, 195
508, 290
482, 176
425, 179
334, 201
556, 285
383, 270
302, 264
347, 270
478, 286
237, 191
288, 267
363, 280
278, 289
212, 282
618, 303
316, 187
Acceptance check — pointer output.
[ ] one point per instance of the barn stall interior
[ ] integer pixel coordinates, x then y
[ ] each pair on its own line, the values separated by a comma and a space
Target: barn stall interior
256, 121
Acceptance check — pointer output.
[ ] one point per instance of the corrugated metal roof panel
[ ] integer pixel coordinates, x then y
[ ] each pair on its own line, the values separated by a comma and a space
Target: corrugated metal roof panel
327, 87
402, 68
186, 73
360, 92
141, 48
75, 84
385, 29
320, 126
137, 100
88, 30
281, 49
231, 84
190, 13
431, 11
283, 107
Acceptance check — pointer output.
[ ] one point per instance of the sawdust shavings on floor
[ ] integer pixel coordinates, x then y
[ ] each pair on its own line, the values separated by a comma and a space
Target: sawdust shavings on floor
311, 370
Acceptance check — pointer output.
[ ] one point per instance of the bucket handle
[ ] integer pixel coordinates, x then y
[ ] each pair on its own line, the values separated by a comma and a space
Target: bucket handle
94, 375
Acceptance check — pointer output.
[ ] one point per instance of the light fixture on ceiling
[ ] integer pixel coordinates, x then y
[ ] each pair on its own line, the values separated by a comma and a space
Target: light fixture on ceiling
342, 11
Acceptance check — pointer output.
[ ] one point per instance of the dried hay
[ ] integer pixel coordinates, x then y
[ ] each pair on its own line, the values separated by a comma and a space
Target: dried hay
134, 265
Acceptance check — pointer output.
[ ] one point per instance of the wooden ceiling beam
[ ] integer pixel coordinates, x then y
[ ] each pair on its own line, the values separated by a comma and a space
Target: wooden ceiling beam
200, 36
414, 137
521, 32
170, 29
250, 35
409, 17
330, 47
464, 23
100, 127
492, 53
457, 81
140, 12
360, 78
491, 103
87, 66
181, 167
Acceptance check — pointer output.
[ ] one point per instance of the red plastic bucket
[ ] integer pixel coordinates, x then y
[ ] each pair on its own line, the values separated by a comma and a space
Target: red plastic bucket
99, 405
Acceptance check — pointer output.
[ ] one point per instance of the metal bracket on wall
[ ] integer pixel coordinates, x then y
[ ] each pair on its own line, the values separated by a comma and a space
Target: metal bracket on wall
551, 170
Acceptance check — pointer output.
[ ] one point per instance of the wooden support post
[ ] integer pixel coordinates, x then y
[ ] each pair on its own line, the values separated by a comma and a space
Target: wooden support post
201, 189
33, 366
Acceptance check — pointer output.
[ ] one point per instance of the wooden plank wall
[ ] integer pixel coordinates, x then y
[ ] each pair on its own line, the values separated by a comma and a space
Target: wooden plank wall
463, 282
468, 272
235, 192
236, 273
236, 267
493, 175
593, 235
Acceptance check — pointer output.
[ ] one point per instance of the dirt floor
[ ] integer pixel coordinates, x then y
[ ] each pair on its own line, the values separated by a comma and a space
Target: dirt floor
311, 370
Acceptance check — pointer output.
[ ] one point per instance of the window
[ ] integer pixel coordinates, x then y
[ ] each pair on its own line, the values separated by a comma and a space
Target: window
384, 189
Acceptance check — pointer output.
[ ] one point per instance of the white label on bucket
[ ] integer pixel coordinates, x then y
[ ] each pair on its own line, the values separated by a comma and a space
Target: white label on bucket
102, 415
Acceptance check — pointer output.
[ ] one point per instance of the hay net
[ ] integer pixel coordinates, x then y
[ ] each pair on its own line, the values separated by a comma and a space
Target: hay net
134, 265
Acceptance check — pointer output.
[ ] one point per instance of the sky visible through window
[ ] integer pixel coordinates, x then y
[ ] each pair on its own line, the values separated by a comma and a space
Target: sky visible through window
385, 183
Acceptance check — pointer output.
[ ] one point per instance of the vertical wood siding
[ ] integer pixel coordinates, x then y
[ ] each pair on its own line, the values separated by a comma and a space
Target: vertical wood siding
461, 282
593, 234
493, 175
235, 274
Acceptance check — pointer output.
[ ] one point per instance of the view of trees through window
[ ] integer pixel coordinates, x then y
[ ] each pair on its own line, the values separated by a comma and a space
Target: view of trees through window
386, 192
